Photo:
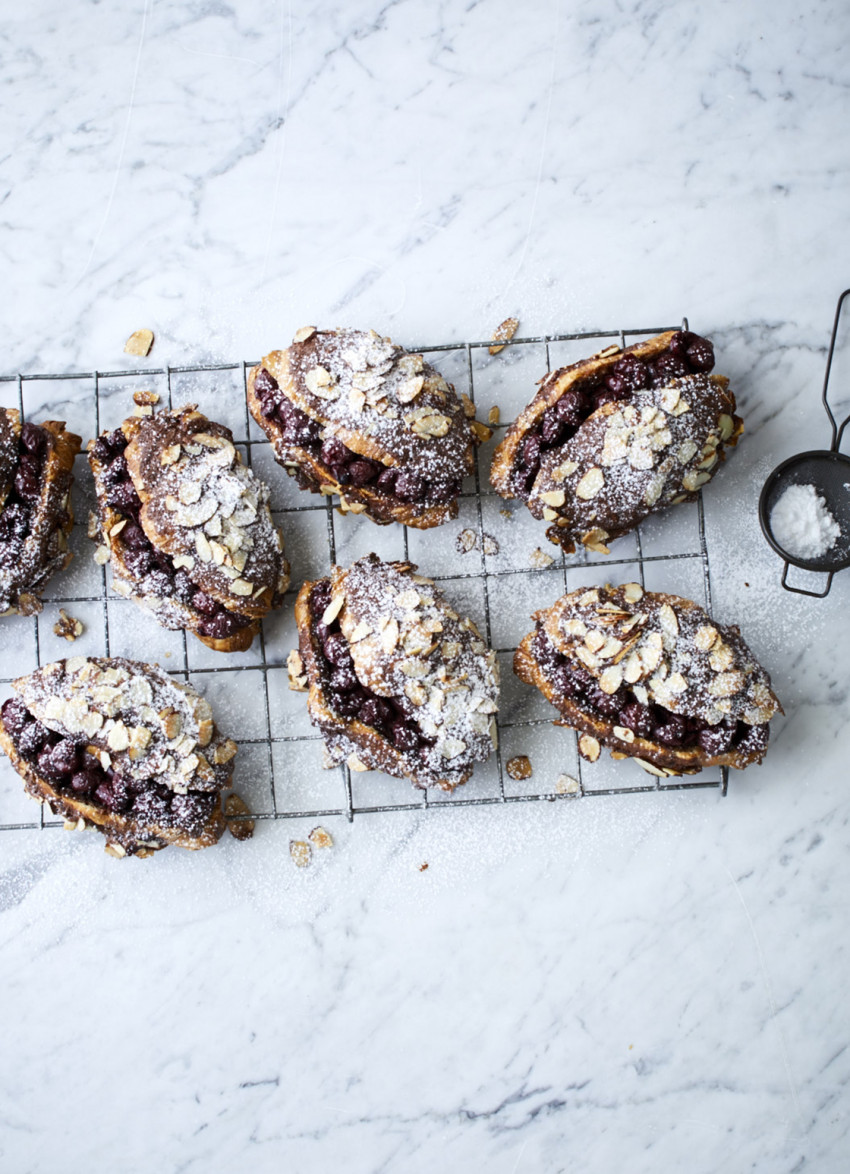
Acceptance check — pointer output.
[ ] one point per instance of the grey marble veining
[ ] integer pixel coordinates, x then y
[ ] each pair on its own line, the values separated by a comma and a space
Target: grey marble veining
648, 982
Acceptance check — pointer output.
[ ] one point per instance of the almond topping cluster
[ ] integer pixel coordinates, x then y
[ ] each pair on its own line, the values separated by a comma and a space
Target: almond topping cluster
667, 652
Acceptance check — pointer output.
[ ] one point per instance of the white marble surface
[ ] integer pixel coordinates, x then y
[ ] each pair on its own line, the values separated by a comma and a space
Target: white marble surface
650, 983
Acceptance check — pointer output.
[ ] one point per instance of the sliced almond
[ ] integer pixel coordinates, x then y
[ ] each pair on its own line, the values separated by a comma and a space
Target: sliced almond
409, 599
676, 684
303, 333
118, 738
415, 692
668, 622
189, 492
333, 609
721, 657
624, 733
594, 640
725, 425
590, 484
361, 631
611, 679
409, 389
139, 343
588, 747
202, 545
632, 592
539, 559
389, 636
224, 752
452, 747
567, 785
101, 556
561, 472
554, 497
726, 684
503, 333
704, 637
241, 587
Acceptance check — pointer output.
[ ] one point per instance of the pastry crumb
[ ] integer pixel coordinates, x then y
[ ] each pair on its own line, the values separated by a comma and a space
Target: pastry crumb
566, 785
240, 828
145, 398
424, 866
139, 343
493, 416
519, 767
503, 333
295, 668
321, 838
301, 853
68, 626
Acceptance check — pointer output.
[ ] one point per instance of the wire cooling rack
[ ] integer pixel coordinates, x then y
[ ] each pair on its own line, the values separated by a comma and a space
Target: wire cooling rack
279, 766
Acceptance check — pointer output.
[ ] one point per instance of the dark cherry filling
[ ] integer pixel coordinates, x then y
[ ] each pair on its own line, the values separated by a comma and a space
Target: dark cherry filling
72, 771
17, 512
143, 559
647, 721
344, 691
686, 354
347, 467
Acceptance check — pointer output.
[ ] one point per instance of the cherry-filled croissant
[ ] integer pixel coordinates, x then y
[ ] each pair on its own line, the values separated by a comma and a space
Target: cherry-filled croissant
609, 440
349, 413
652, 677
36, 473
119, 746
398, 680
187, 527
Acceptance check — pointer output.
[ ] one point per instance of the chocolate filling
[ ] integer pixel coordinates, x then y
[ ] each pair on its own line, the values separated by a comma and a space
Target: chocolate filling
153, 567
73, 771
686, 354
16, 518
346, 695
404, 485
654, 722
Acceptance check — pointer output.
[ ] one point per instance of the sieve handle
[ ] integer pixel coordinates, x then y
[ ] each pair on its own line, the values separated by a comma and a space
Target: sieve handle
837, 429
802, 590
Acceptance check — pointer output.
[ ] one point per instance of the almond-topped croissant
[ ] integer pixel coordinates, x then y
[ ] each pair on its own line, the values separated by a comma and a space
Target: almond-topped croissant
398, 681
118, 745
187, 526
36, 473
609, 440
652, 677
349, 413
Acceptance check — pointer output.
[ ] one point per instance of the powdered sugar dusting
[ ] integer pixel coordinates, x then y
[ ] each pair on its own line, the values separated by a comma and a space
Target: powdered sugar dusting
802, 524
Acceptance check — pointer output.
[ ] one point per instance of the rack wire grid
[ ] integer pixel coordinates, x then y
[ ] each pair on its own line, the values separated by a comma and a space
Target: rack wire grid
278, 769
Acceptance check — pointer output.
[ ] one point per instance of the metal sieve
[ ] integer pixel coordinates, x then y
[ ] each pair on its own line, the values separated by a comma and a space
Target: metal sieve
828, 470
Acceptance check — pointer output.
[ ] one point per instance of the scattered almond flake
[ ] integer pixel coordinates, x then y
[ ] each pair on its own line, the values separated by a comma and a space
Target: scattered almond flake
409, 600
303, 333
588, 747
321, 838
67, 626
145, 398
503, 333
540, 560
466, 541
493, 416
301, 853
236, 813
489, 544
519, 767
567, 785
139, 343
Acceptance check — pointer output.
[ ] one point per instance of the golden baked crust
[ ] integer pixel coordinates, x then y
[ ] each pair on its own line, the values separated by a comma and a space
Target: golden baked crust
628, 458
204, 510
382, 404
409, 646
26, 566
131, 718
656, 650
